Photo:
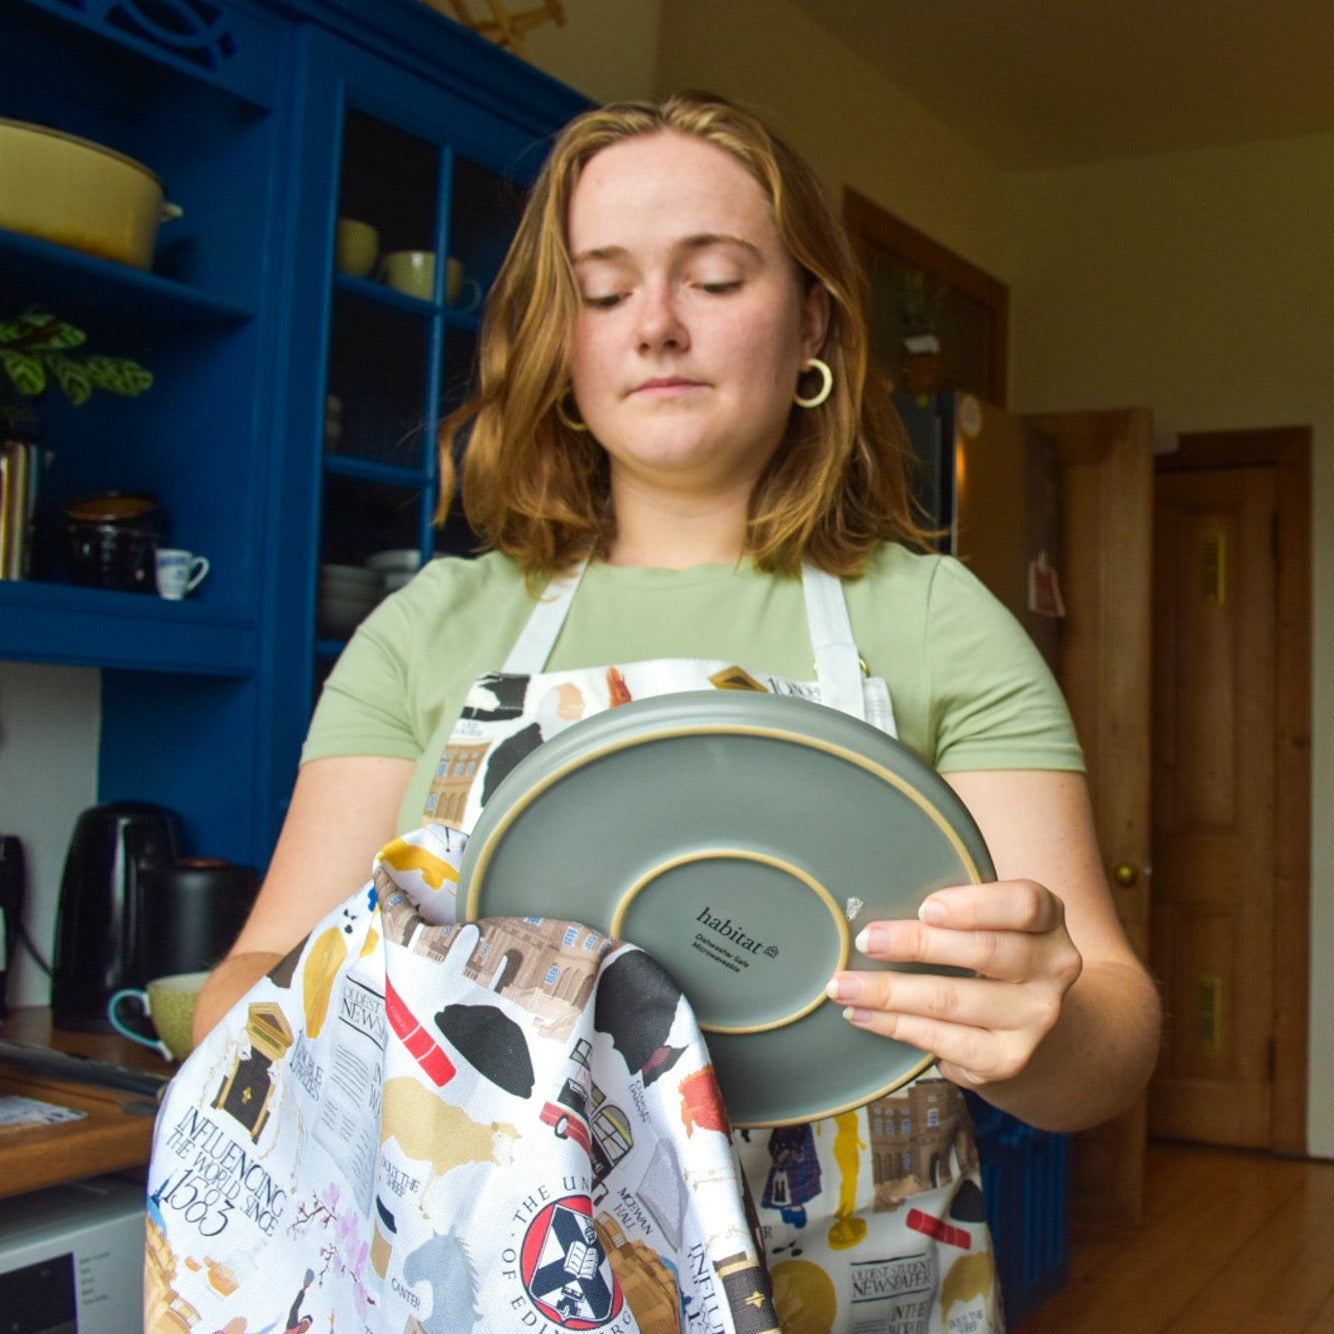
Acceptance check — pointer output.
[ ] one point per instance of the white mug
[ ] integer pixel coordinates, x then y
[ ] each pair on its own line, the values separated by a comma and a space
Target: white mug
179, 572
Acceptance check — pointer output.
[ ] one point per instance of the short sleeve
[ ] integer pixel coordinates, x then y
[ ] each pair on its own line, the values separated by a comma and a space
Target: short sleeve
363, 708
994, 703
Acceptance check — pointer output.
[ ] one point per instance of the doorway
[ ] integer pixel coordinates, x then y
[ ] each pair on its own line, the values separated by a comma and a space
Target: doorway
1230, 910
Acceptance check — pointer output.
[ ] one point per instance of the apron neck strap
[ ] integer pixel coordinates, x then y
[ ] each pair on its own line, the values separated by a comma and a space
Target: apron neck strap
535, 642
838, 665
837, 662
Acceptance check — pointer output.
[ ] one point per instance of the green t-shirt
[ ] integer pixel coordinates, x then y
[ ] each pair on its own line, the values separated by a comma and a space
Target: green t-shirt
970, 689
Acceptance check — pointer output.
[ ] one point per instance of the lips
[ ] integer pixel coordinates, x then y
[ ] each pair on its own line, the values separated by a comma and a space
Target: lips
667, 384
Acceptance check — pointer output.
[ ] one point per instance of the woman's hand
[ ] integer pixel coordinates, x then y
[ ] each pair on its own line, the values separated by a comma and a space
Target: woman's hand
983, 1028
1059, 1027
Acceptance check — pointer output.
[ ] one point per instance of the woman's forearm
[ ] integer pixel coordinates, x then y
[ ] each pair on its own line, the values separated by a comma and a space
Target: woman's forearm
228, 982
1095, 1061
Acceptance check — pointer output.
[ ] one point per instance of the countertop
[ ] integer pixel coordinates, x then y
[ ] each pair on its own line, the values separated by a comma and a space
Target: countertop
115, 1135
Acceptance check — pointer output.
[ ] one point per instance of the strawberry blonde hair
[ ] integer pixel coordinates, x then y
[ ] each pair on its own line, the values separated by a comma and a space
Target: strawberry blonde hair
836, 488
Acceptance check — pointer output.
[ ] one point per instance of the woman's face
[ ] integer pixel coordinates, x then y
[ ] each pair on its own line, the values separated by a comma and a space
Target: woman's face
693, 325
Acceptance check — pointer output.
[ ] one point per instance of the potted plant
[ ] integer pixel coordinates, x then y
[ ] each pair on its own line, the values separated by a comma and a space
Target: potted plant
38, 351
920, 304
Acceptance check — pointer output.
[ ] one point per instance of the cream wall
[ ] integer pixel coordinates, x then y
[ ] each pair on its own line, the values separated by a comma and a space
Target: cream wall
1196, 284
607, 49
1201, 285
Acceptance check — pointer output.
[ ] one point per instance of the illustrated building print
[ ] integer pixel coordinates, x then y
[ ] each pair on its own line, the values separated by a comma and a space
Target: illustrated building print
548, 967
454, 777
914, 1141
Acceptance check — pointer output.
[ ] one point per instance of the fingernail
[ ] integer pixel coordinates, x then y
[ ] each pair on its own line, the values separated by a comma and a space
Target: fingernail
932, 912
863, 940
843, 988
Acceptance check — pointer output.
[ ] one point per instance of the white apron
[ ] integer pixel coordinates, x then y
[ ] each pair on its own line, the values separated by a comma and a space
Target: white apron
872, 1221
416, 1126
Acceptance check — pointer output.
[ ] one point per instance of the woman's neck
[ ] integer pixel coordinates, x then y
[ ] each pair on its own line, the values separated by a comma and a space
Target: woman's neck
675, 532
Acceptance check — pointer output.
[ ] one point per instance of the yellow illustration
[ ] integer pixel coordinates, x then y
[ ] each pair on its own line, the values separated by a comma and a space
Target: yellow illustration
847, 1229
969, 1277
323, 961
736, 678
436, 1132
406, 856
804, 1297
650, 1290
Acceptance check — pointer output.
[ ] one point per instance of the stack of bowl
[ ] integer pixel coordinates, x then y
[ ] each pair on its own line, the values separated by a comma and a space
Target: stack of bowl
396, 567
347, 593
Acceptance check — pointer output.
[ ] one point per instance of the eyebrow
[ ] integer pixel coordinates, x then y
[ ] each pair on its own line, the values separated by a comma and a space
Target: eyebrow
701, 241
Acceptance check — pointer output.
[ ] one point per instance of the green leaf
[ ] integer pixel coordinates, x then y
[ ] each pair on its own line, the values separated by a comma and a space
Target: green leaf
119, 375
73, 379
58, 336
26, 372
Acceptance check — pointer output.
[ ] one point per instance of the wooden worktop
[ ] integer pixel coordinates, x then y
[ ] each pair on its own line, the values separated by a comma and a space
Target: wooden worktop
115, 1135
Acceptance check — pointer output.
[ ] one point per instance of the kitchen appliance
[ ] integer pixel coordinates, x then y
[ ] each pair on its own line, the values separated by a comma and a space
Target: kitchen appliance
188, 912
989, 482
72, 1258
80, 194
97, 920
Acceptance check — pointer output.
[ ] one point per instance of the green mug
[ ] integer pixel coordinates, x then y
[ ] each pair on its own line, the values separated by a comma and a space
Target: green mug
169, 1002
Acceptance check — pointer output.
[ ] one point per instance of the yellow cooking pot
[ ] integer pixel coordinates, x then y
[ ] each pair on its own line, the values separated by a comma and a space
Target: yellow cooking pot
76, 193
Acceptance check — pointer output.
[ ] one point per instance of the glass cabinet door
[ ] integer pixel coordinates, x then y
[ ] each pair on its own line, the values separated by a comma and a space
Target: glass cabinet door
424, 196
429, 141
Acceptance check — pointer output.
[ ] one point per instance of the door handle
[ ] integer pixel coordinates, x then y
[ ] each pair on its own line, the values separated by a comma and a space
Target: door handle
1127, 874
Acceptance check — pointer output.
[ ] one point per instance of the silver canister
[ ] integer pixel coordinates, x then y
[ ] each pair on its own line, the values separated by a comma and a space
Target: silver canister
19, 465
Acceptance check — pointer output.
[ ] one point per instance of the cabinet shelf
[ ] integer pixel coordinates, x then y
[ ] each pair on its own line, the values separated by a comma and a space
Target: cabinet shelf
92, 627
60, 277
366, 470
370, 290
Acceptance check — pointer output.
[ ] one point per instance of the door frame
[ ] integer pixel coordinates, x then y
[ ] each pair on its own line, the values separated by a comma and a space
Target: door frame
1288, 451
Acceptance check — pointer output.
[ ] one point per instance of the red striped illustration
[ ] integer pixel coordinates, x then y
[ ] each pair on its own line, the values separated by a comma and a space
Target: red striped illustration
416, 1039
939, 1229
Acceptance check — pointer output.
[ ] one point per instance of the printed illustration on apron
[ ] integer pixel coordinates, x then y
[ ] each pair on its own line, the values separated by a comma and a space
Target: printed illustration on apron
419, 1125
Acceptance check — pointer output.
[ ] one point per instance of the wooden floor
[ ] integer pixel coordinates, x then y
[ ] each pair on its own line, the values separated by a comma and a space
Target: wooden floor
1230, 1241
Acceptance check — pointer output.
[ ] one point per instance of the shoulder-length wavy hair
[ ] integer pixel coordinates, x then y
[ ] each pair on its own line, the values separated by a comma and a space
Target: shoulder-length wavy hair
537, 490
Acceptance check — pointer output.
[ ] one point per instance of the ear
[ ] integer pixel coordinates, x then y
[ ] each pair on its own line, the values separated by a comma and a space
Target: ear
814, 319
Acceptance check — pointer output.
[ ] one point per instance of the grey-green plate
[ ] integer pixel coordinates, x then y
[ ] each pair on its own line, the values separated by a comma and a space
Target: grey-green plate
743, 840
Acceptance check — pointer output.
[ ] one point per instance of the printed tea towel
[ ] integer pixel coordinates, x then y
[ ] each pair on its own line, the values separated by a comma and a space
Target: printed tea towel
417, 1126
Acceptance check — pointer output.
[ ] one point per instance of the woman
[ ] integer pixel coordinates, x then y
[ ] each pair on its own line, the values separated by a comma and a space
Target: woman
676, 405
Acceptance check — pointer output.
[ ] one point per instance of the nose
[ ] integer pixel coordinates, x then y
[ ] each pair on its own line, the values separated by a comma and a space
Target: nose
661, 326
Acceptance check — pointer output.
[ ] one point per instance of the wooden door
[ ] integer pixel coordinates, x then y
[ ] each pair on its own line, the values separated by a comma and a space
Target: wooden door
1213, 803
1104, 668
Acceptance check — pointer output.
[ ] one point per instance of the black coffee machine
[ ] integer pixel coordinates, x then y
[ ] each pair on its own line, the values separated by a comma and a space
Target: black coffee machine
96, 926
132, 909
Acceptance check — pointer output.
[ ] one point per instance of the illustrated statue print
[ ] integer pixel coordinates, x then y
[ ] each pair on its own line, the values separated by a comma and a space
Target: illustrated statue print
794, 1177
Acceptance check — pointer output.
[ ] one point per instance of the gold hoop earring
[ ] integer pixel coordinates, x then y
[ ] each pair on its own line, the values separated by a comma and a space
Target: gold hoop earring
570, 423
826, 386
